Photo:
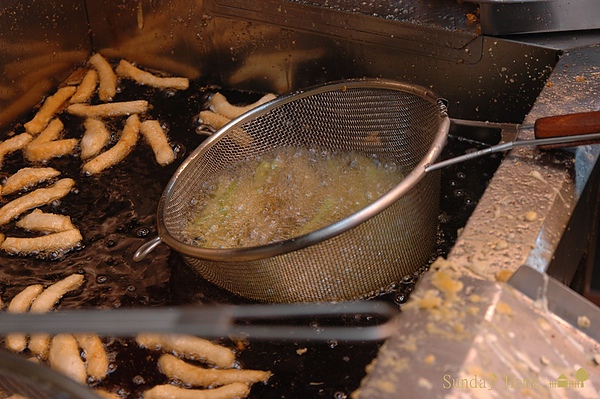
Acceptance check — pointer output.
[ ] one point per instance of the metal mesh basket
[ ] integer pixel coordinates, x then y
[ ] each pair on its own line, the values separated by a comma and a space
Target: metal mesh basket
356, 257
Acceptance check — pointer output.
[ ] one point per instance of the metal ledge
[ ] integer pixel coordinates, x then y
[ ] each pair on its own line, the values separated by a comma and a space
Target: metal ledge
506, 339
549, 183
485, 341
504, 17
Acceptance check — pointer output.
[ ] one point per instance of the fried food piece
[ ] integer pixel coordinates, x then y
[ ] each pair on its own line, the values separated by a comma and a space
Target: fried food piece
39, 343
163, 62
108, 80
157, 138
20, 304
96, 359
51, 132
123, 108
63, 356
213, 119
49, 109
23, 300
86, 88
26, 178
94, 139
38, 197
55, 242
45, 222
232, 391
53, 149
51, 295
46, 146
13, 144
217, 121
190, 347
119, 151
126, 69
219, 104
175, 368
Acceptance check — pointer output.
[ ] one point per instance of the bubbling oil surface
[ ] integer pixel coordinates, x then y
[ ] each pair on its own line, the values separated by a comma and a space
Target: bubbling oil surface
285, 193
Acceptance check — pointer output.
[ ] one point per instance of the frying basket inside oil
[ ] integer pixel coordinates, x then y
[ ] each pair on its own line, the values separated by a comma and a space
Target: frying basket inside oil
355, 257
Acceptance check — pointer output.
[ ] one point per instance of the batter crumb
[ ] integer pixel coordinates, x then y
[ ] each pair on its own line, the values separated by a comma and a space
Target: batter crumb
446, 284
424, 383
429, 359
501, 245
301, 351
583, 322
476, 298
505, 309
503, 275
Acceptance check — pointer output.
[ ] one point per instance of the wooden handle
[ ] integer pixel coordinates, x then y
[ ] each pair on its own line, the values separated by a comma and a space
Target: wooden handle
568, 125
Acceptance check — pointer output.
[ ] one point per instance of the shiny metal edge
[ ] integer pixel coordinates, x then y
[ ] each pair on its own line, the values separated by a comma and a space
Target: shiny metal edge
519, 221
506, 17
524, 212
489, 341
40, 43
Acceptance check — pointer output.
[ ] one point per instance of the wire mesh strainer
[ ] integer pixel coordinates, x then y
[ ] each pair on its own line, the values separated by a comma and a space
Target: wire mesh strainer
359, 256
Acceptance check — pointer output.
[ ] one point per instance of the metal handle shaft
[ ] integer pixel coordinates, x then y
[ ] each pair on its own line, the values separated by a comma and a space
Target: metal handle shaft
507, 146
269, 321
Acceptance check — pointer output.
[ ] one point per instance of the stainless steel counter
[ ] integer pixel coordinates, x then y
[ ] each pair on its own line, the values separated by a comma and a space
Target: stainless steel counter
501, 343
498, 235
464, 337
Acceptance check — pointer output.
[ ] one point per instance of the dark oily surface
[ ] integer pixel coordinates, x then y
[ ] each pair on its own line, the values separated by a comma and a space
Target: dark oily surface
116, 213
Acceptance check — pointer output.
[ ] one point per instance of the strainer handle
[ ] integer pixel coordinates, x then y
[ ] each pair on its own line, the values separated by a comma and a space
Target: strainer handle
146, 248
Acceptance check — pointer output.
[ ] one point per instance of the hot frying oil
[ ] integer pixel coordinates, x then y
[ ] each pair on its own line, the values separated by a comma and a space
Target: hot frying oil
285, 193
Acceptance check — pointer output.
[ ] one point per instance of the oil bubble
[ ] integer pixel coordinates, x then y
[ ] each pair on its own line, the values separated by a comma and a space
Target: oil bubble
400, 299
142, 232
138, 380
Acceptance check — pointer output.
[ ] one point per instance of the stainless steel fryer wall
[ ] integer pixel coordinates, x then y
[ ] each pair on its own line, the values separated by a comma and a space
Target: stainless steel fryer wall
40, 42
279, 45
274, 45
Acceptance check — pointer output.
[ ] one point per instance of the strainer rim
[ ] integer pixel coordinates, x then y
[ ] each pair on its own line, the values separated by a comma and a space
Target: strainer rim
333, 229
